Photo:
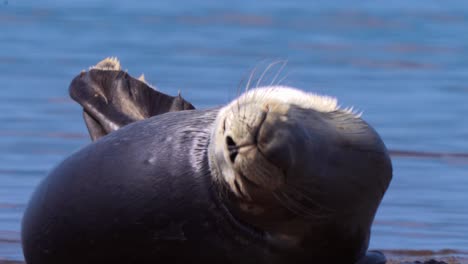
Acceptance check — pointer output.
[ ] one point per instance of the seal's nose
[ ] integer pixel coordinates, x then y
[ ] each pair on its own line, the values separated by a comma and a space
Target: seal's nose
244, 144
267, 130
276, 142
241, 130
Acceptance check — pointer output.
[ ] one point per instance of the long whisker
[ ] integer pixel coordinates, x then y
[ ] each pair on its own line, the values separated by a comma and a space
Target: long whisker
282, 79
265, 71
307, 197
296, 207
286, 205
279, 72
247, 87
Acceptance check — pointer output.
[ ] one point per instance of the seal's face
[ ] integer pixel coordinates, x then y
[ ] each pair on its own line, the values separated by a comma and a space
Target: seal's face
293, 159
258, 135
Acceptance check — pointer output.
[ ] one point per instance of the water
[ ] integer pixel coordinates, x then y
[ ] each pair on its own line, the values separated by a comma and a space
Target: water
403, 63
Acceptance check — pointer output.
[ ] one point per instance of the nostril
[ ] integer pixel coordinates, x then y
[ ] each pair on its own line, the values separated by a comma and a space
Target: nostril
232, 147
233, 154
230, 142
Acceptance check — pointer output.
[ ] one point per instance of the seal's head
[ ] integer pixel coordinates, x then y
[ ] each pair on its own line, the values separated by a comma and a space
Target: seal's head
296, 165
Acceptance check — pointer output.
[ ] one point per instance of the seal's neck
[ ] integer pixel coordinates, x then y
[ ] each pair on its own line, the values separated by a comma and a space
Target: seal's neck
265, 220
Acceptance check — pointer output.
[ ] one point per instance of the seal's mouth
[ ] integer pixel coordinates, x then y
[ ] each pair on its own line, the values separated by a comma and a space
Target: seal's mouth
234, 148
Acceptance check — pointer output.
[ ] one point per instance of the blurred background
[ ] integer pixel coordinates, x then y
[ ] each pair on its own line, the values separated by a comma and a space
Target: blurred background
404, 64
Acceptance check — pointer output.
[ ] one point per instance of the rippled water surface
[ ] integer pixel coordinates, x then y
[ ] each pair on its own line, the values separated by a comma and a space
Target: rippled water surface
403, 63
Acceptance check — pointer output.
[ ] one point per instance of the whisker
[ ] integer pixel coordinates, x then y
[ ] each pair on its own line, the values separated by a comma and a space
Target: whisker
276, 196
239, 85
298, 208
306, 196
265, 71
252, 73
279, 72
282, 79
304, 211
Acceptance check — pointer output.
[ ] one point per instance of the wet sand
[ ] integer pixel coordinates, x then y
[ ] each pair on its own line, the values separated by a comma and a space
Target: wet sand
394, 260
448, 260
395, 256
453, 260
445, 256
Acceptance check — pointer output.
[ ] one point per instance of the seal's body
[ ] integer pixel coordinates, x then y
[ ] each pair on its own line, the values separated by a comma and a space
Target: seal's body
277, 176
142, 194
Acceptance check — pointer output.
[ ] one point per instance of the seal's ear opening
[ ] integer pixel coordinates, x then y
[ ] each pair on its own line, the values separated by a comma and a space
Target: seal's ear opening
111, 98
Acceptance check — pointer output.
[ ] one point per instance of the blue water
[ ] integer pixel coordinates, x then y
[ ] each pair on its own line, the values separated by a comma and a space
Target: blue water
403, 63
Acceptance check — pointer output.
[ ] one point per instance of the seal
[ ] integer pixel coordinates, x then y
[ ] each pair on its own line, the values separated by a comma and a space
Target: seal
276, 176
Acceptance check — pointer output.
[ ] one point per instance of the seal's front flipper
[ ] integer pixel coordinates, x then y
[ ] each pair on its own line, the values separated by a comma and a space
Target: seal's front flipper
111, 98
373, 257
